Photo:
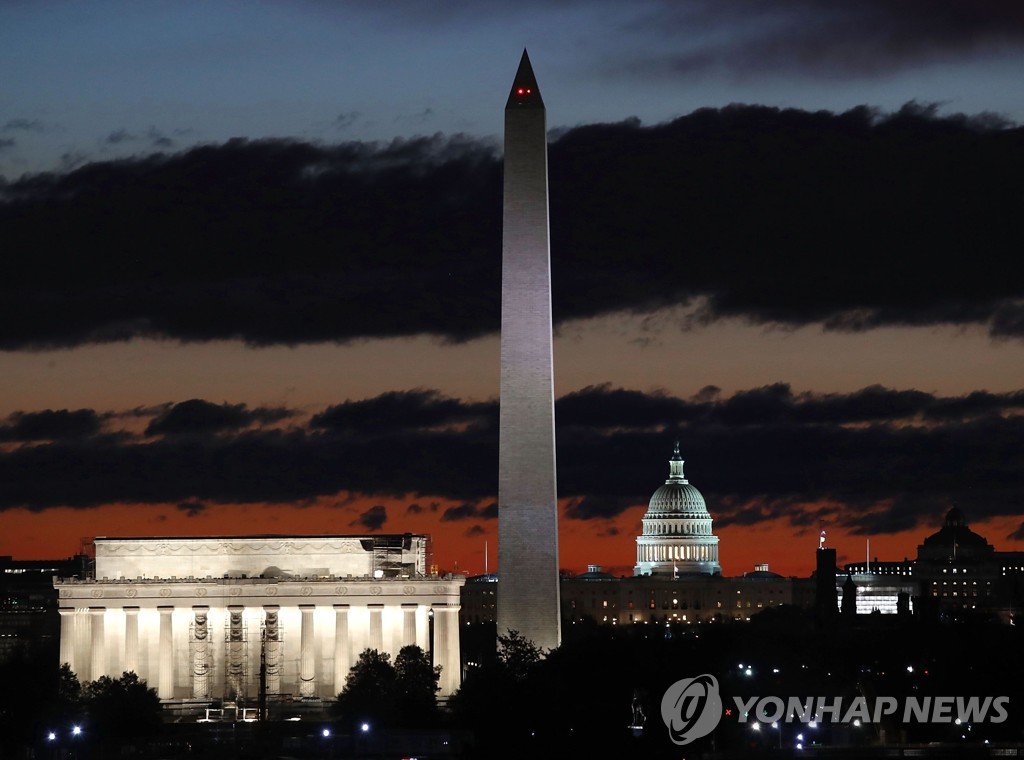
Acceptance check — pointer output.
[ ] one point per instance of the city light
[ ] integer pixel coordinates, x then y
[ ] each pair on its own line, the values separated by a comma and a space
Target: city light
326, 732
364, 727
76, 730
51, 737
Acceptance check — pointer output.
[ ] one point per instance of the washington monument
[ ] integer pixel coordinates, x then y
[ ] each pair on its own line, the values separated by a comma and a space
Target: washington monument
528, 596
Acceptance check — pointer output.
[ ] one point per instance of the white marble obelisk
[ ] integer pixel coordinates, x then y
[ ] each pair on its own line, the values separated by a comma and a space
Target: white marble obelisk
528, 594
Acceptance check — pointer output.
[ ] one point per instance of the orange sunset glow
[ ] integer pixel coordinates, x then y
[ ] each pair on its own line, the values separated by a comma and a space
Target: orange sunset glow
466, 547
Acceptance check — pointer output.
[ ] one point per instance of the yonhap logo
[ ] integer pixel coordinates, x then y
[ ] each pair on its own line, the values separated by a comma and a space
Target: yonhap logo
691, 708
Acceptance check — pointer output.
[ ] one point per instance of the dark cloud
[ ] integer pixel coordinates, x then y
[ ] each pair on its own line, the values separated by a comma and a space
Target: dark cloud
873, 461
346, 119
158, 139
468, 512
1017, 535
7, 142
372, 519
596, 506
811, 39
199, 416
475, 530
23, 125
461, 512
119, 136
402, 410
50, 425
192, 508
875, 210
604, 406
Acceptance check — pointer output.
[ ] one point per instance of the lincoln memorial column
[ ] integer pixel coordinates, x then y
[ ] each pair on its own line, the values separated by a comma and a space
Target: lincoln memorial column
409, 624
272, 646
165, 673
342, 649
200, 656
67, 636
131, 639
98, 659
446, 646
83, 644
376, 627
307, 664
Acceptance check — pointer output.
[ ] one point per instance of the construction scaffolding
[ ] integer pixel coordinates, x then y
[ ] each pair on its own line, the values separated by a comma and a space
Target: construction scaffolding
393, 556
236, 660
200, 657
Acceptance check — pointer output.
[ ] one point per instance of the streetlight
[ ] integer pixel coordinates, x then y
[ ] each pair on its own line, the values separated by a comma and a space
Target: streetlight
76, 731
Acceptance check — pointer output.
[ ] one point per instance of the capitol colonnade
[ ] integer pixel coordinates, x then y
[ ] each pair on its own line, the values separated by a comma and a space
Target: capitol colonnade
199, 638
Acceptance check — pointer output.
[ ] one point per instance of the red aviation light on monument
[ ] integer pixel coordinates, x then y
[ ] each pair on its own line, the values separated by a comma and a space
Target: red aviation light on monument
524, 87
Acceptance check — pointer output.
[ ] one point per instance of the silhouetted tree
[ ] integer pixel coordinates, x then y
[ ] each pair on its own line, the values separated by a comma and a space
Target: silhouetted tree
369, 692
122, 707
417, 687
517, 654
496, 699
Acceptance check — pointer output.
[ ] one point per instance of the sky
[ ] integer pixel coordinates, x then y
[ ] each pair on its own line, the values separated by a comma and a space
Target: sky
251, 261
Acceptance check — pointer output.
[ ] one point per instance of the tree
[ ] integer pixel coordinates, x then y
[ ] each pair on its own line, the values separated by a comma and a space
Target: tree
503, 681
370, 688
517, 655
416, 687
121, 707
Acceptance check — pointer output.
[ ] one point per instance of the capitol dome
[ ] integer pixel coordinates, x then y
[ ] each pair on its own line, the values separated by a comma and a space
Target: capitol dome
678, 497
677, 537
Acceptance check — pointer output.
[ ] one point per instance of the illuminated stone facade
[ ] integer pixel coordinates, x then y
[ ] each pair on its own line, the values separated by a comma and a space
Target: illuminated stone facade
195, 617
527, 500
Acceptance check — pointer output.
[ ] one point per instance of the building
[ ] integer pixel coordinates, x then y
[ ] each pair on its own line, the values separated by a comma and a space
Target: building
233, 617
957, 574
676, 534
28, 602
661, 599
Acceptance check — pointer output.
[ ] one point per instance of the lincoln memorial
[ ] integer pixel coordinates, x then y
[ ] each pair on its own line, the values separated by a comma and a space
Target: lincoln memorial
200, 618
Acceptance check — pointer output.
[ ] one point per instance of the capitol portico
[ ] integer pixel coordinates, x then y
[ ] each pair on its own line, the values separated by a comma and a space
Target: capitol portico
197, 617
